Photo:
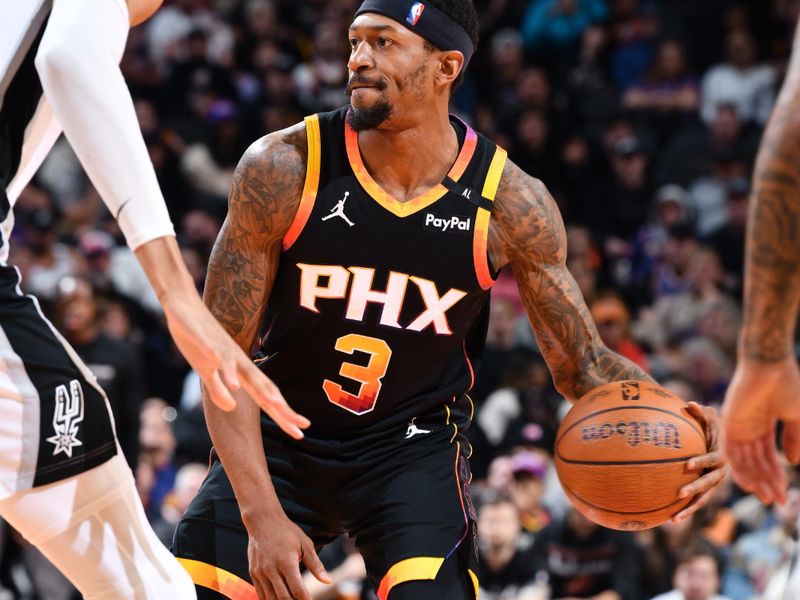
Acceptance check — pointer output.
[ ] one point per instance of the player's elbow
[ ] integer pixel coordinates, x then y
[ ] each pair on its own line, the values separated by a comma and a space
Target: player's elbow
61, 61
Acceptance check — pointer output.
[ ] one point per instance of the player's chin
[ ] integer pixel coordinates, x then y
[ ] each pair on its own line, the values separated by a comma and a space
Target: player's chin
364, 97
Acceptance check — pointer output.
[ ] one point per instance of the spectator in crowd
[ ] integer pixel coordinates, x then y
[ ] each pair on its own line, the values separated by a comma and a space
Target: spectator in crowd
115, 271
557, 25
156, 471
660, 550
187, 482
507, 562
697, 576
612, 318
50, 259
528, 471
728, 240
758, 555
113, 361
675, 317
583, 560
740, 81
690, 152
668, 95
672, 208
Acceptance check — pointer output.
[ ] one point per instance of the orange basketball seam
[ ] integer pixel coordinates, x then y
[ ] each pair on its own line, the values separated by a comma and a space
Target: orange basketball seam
622, 512
624, 462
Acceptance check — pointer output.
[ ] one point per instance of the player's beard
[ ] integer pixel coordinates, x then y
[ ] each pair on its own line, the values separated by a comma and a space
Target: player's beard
371, 117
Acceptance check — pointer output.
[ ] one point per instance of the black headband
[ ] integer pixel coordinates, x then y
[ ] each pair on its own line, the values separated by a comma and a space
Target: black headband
424, 20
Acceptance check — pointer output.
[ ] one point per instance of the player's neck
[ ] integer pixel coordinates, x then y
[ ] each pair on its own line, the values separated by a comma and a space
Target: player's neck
408, 161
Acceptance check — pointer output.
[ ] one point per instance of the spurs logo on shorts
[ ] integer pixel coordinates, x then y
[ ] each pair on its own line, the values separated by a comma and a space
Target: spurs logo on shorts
67, 418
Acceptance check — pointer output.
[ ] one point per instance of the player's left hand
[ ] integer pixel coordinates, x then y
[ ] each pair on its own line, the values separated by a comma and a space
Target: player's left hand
711, 465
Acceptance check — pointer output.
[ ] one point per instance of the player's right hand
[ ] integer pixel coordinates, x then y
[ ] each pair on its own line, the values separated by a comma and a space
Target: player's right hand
222, 365
275, 549
760, 394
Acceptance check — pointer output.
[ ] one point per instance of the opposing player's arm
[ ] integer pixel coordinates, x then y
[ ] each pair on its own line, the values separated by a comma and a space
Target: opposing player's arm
527, 232
772, 281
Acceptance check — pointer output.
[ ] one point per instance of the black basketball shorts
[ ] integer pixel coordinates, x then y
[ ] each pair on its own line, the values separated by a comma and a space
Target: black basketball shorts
404, 500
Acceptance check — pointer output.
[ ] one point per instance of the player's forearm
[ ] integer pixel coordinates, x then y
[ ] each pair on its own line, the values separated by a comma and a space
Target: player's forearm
772, 268
237, 439
163, 264
78, 64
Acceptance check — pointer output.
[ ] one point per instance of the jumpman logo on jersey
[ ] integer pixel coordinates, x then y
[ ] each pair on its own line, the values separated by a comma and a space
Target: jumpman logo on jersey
338, 211
414, 430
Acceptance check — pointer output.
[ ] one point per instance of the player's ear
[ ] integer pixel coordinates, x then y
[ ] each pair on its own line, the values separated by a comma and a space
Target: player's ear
141, 10
450, 64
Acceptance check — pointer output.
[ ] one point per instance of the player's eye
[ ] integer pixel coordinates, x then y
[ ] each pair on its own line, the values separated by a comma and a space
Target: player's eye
354, 43
383, 42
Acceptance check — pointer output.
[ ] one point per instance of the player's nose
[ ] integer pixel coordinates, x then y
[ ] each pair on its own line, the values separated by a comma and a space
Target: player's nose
361, 58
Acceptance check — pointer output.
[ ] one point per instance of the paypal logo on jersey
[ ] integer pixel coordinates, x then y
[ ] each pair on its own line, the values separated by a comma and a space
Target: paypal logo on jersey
444, 224
414, 13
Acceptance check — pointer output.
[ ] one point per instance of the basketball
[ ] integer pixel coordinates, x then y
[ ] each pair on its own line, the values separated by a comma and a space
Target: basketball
621, 454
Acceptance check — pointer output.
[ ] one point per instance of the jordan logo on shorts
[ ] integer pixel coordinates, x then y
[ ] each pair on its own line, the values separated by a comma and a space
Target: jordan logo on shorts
67, 417
338, 211
414, 430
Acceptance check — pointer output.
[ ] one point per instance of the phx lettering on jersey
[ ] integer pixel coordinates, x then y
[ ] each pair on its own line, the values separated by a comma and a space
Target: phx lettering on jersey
355, 285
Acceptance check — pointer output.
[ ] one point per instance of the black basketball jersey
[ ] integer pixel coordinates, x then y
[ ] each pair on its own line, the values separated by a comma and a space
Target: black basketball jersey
379, 310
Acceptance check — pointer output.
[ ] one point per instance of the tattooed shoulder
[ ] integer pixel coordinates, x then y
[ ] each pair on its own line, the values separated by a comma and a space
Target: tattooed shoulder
268, 182
264, 198
525, 222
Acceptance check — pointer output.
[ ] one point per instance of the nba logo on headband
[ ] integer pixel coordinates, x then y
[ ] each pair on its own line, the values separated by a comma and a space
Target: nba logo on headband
415, 12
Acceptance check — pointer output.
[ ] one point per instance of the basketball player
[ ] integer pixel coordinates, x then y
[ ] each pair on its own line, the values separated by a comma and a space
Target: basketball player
63, 481
374, 321
766, 384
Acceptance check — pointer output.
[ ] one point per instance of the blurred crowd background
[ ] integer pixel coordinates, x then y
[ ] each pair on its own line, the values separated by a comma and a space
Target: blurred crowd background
642, 117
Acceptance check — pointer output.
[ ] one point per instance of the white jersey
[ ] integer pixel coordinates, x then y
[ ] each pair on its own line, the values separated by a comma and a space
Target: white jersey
59, 68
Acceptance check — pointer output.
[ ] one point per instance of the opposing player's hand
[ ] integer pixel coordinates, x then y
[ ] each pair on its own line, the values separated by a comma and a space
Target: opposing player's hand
711, 465
275, 550
222, 365
761, 394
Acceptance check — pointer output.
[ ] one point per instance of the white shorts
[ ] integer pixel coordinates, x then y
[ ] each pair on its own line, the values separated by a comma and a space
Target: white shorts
55, 421
93, 528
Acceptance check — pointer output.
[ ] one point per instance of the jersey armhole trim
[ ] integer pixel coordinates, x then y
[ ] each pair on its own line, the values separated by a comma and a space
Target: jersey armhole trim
311, 185
480, 244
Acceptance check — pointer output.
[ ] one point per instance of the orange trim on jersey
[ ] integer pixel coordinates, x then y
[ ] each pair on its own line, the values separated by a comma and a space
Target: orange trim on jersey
409, 207
469, 363
410, 569
481, 237
311, 185
219, 580
475, 584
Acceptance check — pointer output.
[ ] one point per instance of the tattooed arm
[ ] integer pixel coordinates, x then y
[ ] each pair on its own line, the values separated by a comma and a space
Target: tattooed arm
766, 385
266, 191
527, 232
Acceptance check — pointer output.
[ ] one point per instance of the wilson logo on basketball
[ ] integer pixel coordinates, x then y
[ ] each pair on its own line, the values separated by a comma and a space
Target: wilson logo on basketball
661, 434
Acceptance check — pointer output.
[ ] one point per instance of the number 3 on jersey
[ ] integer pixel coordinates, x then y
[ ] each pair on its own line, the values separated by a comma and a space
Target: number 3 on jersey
368, 376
